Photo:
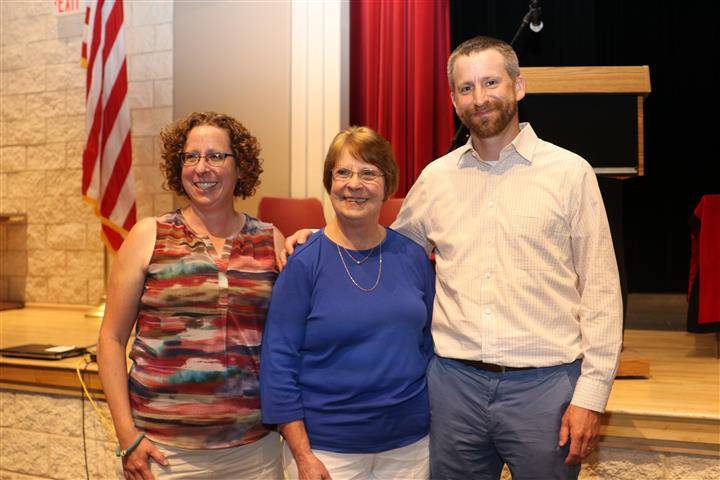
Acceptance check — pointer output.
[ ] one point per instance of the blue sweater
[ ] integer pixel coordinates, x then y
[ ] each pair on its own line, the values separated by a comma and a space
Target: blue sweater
350, 363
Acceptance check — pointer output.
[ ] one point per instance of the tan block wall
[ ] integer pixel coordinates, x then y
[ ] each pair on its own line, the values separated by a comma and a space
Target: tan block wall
623, 464
57, 257
41, 437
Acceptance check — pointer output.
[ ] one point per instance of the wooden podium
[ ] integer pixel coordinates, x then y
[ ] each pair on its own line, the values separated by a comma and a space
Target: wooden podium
596, 112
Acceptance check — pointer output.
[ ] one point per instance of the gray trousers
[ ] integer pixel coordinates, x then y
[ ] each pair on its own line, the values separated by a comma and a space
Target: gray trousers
481, 420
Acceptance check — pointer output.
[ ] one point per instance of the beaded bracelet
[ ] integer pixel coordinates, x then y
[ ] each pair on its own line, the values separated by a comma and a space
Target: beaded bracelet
133, 446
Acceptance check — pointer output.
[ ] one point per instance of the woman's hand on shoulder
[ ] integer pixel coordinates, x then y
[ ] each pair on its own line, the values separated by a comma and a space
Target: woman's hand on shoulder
279, 243
136, 464
297, 238
311, 468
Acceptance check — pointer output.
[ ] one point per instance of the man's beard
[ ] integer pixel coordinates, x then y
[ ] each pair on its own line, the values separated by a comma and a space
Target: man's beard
486, 127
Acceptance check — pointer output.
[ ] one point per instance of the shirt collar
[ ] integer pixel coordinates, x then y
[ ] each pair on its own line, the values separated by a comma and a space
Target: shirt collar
523, 145
525, 142
466, 155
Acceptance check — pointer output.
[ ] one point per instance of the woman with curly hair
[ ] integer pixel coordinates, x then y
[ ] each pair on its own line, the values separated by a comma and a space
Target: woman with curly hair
196, 285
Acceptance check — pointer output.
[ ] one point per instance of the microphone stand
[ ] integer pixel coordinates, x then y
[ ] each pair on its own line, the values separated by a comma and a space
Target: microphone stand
533, 11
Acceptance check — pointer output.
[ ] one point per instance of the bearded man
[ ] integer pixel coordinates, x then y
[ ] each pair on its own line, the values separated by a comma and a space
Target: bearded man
527, 320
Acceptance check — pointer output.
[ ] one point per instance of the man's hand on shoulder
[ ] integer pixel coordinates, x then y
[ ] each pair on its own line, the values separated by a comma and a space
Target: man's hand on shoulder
581, 426
297, 238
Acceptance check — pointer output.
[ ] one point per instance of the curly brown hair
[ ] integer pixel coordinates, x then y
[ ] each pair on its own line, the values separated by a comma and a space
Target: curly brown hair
244, 145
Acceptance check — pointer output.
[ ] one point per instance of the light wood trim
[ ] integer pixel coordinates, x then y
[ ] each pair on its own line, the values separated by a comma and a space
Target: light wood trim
70, 307
706, 449
22, 376
47, 389
641, 135
69, 363
633, 79
13, 219
661, 428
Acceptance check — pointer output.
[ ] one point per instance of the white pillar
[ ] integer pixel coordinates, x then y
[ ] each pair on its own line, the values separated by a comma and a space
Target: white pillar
319, 92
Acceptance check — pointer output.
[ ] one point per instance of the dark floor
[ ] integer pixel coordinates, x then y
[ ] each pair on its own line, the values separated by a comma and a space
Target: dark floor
656, 311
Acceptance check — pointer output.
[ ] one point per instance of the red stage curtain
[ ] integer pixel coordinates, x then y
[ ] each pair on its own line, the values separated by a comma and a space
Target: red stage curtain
398, 84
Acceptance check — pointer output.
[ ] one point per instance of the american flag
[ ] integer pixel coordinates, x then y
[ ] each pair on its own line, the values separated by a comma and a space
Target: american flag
107, 181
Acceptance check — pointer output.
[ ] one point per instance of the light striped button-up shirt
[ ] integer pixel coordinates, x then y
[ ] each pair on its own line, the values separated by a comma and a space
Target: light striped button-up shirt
526, 272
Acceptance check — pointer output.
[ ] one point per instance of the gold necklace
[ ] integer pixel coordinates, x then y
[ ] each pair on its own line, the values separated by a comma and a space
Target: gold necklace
377, 280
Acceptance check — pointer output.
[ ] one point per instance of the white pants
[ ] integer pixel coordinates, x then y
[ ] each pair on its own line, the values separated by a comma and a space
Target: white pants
409, 462
255, 461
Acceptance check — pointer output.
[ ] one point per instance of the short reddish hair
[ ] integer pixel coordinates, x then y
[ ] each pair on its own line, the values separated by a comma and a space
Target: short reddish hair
367, 145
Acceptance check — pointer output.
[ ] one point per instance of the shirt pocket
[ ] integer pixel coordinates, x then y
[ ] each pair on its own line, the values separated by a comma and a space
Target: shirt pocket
534, 242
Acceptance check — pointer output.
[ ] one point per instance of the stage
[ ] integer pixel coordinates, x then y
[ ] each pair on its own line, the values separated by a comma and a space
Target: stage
677, 409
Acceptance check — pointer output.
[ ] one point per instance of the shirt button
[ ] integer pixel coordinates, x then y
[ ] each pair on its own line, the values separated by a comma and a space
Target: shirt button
487, 311
487, 275
491, 204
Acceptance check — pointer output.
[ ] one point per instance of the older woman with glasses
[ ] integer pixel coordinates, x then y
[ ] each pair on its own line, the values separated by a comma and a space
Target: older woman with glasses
196, 285
347, 340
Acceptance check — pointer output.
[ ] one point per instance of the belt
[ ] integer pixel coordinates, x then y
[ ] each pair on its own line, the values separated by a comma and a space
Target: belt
489, 367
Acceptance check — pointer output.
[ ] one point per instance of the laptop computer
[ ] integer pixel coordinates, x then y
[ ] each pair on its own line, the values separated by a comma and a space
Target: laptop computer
43, 351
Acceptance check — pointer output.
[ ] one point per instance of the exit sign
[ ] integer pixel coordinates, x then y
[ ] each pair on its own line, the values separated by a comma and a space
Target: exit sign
67, 7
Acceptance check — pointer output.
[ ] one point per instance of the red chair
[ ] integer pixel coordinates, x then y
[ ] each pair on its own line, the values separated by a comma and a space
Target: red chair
291, 214
389, 211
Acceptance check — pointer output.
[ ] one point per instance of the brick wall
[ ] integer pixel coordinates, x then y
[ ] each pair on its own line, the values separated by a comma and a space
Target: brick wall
57, 257
41, 437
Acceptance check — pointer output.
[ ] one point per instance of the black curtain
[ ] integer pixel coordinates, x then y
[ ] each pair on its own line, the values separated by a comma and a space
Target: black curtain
678, 41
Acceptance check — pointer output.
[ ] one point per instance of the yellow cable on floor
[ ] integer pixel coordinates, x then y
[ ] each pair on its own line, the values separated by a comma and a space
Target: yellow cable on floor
103, 419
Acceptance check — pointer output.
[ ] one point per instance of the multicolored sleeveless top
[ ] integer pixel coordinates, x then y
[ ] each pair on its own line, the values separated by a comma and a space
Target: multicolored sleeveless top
194, 380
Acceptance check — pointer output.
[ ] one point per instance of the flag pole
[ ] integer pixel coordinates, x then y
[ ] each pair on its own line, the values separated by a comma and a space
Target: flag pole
99, 310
